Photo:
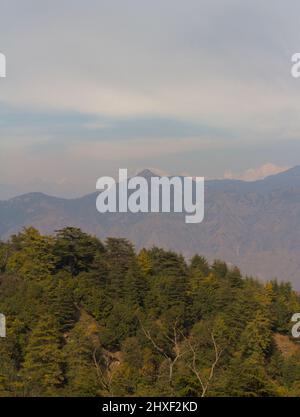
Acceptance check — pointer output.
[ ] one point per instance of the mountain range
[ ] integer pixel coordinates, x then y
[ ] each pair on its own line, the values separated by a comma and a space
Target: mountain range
254, 225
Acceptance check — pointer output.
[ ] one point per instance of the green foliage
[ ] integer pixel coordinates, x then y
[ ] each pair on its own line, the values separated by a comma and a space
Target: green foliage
75, 251
91, 319
33, 256
42, 367
81, 372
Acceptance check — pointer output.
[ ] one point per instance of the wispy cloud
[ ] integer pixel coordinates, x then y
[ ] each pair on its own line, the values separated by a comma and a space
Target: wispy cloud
134, 81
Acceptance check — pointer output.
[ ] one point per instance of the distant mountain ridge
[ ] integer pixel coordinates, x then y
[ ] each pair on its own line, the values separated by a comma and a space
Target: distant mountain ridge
254, 225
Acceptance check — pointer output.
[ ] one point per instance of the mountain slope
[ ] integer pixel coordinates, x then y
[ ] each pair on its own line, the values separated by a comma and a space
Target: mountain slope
253, 225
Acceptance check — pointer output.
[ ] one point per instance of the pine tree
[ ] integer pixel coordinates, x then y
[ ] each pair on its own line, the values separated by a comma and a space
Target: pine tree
81, 374
144, 262
42, 367
120, 257
135, 286
257, 337
75, 250
34, 258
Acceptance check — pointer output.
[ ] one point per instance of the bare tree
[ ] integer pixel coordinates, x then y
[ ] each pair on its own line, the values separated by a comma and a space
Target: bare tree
178, 352
204, 382
104, 376
176, 349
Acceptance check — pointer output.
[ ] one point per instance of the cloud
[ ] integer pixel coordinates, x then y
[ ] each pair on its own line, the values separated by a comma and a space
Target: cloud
136, 150
254, 174
135, 81
200, 61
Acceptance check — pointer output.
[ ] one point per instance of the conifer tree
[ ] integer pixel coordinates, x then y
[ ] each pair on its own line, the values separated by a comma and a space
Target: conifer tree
81, 370
42, 367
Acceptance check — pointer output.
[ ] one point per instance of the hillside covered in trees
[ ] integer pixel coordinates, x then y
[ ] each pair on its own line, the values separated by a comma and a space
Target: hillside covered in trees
92, 318
245, 223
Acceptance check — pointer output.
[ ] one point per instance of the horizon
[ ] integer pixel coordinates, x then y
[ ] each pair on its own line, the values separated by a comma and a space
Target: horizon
140, 173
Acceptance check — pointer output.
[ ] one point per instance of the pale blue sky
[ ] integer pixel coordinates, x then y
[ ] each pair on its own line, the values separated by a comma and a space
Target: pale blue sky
195, 86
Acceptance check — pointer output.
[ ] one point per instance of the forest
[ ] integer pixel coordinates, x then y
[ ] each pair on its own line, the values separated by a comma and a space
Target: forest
89, 318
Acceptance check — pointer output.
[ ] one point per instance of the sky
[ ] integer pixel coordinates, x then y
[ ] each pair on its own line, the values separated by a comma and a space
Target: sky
198, 87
